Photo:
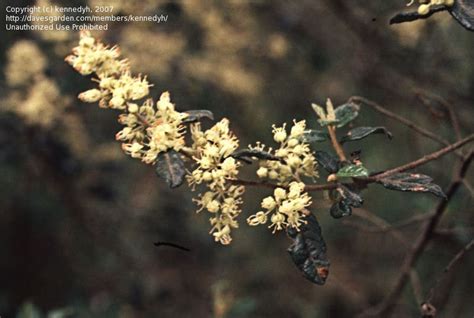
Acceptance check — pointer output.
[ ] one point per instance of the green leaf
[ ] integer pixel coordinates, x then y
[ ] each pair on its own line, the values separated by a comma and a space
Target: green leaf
351, 171
170, 166
313, 135
308, 251
346, 113
362, 132
248, 154
196, 115
412, 182
328, 162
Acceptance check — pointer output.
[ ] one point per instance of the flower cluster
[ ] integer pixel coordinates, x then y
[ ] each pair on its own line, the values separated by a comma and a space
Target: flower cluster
211, 151
148, 130
34, 96
287, 208
224, 204
297, 160
92, 56
425, 5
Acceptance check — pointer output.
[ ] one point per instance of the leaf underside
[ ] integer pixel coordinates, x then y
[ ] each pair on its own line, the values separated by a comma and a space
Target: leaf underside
196, 115
348, 199
344, 114
248, 154
328, 162
414, 15
412, 182
362, 132
170, 166
463, 12
314, 135
308, 251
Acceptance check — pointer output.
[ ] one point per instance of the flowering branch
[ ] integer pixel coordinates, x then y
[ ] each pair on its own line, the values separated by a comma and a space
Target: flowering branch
154, 132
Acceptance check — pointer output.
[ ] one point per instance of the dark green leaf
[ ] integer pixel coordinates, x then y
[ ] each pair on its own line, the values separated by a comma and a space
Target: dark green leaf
412, 182
350, 196
170, 166
328, 162
308, 251
348, 199
340, 209
351, 171
346, 113
196, 115
463, 12
248, 154
362, 132
313, 135
414, 15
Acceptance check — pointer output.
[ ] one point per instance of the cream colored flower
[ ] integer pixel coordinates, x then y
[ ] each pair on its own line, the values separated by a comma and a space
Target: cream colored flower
286, 208
297, 158
212, 149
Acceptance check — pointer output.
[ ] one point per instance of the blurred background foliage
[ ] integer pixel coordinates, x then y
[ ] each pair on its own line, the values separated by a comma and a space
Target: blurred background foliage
79, 218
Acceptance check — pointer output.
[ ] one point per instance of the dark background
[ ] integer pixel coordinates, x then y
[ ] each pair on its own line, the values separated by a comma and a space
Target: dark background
78, 218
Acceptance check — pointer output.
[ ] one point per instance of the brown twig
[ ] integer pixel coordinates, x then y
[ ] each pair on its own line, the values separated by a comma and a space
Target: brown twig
452, 114
416, 284
433, 156
335, 143
386, 306
392, 227
414, 126
378, 223
469, 187
448, 268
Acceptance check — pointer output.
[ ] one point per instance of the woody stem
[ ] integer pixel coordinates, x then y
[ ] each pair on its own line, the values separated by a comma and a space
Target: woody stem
335, 144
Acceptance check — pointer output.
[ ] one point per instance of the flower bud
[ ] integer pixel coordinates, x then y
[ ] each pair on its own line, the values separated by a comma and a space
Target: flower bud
207, 176
424, 9
213, 206
298, 129
268, 203
279, 136
292, 142
86, 41
117, 102
262, 172
229, 164
90, 96
279, 194
132, 108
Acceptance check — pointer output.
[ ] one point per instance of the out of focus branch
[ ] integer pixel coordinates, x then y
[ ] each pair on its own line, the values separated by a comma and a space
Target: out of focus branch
386, 306
447, 269
452, 114
378, 223
410, 124
433, 156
